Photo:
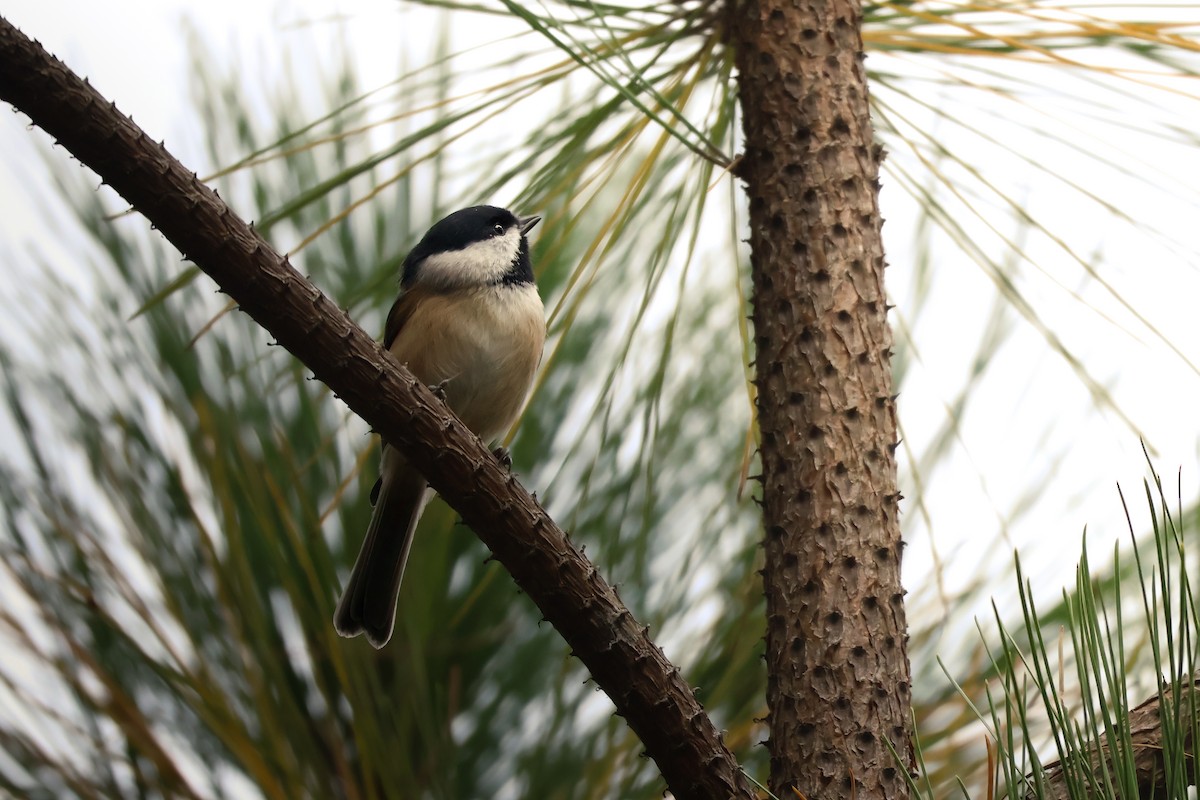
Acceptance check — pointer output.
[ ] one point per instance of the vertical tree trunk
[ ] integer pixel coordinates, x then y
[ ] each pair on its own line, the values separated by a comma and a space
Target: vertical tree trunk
838, 674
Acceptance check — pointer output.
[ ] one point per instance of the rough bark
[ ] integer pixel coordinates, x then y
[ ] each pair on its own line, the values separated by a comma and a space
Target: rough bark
1145, 751
645, 687
838, 674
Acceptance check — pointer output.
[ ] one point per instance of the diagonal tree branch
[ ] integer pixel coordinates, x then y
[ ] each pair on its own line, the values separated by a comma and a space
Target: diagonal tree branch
647, 689
1175, 707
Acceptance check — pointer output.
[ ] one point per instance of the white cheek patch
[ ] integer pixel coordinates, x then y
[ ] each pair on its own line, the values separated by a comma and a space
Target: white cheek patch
477, 264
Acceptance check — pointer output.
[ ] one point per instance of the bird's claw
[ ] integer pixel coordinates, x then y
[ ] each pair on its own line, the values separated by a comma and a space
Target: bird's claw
502, 455
439, 389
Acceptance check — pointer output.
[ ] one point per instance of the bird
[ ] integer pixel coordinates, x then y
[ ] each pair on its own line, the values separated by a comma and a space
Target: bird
469, 322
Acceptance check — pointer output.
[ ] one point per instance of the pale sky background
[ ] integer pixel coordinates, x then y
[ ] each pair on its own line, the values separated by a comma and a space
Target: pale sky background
1032, 429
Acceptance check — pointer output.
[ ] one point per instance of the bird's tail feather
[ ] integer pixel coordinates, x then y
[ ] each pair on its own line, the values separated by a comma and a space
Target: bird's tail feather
368, 603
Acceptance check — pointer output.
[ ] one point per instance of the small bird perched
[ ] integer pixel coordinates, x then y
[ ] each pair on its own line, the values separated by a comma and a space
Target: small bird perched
468, 321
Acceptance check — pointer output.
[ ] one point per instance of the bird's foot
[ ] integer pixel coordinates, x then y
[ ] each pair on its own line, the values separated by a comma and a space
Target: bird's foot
502, 455
440, 389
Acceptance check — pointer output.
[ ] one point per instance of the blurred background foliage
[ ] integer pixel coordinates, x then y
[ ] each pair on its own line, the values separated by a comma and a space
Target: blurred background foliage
181, 502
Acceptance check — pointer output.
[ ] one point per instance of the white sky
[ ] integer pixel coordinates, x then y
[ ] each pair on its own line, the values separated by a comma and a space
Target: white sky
1032, 428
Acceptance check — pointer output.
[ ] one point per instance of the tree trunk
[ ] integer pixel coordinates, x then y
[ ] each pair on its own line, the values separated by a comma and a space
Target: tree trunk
838, 676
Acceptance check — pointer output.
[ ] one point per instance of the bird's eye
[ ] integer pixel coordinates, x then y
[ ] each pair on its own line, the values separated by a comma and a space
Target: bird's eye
498, 229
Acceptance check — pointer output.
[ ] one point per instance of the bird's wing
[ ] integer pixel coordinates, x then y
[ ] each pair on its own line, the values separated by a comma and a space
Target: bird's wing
402, 309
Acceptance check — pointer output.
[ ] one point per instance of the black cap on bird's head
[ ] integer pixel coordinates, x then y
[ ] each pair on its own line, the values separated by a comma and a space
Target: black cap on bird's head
476, 246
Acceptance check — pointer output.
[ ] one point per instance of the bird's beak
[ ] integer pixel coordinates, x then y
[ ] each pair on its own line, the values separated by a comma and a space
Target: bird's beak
526, 223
